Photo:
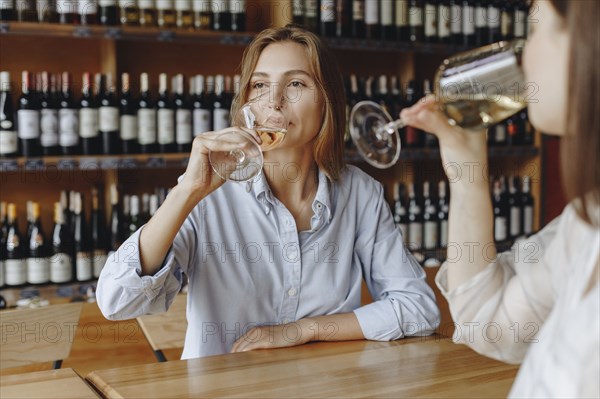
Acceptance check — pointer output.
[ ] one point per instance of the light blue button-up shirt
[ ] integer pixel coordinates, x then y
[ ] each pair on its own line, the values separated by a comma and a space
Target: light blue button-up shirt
247, 265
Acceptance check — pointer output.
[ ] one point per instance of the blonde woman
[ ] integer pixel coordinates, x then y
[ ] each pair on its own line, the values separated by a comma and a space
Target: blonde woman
279, 262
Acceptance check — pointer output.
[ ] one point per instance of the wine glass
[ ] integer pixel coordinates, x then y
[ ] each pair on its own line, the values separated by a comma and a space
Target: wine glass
475, 89
246, 163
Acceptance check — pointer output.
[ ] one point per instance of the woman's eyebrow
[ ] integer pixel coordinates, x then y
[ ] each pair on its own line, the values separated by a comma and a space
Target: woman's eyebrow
287, 73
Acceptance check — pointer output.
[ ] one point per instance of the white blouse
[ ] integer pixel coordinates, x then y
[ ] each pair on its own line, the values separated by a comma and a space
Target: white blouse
534, 305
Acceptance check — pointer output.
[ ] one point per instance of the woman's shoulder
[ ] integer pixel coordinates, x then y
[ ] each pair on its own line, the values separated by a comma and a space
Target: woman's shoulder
357, 181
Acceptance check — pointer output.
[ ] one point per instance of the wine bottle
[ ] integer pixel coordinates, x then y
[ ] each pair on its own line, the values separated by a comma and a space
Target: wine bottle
386, 18
238, 15
116, 234
26, 11
413, 135
29, 213
343, 18
430, 140
68, 11
135, 221
400, 211
311, 15
88, 12
146, 118
153, 206
129, 14
3, 231
512, 130
38, 262
430, 24
416, 20
395, 97
49, 115
83, 245
183, 118
202, 114
88, 118
68, 119
526, 131
166, 117
515, 210
203, 15
481, 23
430, 220
443, 209
494, 17
402, 26
28, 119
372, 23
128, 118
9, 139
126, 217
500, 135
15, 264
298, 12
61, 263
468, 23
220, 106
500, 214
7, 11
165, 15
99, 236
456, 12
147, 13
520, 19
184, 18
109, 117
327, 18
221, 16
46, 11
108, 11
358, 19
145, 213
527, 204
415, 220
444, 15
382, 95
507, 27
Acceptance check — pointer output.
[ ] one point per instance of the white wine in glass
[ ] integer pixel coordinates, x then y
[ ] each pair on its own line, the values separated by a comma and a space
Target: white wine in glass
475, 89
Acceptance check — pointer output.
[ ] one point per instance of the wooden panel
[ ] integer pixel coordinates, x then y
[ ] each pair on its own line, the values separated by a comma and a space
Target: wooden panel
37, 335
412, 367
166, 330
63, 384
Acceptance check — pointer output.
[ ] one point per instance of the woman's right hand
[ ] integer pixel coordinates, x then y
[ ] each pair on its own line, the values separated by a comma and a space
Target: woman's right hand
200, 179
459, 147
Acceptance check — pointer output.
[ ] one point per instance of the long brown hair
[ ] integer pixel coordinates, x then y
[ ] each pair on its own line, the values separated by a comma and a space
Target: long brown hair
581, 145
328, 149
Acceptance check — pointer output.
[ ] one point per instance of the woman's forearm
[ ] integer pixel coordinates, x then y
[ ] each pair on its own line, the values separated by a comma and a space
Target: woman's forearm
336, 327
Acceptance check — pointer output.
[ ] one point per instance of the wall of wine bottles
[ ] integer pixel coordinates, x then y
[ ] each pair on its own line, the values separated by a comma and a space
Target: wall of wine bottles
457, 22
421, 213
223, 15
79, 242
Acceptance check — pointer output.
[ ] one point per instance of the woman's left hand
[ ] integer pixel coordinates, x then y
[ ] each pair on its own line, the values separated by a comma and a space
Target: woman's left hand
270, 337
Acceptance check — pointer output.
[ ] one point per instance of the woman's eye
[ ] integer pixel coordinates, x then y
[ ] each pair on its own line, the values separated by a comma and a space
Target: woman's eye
258, 85
296, 83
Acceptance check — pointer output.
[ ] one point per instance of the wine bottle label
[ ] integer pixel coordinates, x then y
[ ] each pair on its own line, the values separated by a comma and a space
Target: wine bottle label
481, 17
107, 3
401, 17
456, 19
443, 21
358, 10
6, 5
68, 126
164, 4
146, 4
67, 6
415, 16
88, 7
468, 20
147, 126
500, 228
506, 24
202, 121
61, 269
183, 5
404, 230
520, 22
128, 127
83, 265
430, 235
49, 127
88, 122
500, 136
430, 20
415, 235
100, 257
515, 221
128, 3
371, 12
221, 118
109, 119
183, 128
528, 219
29, 123
327, 10
38, 270
239, 6
15, 271
166, 126
9, 142
493, 17
443, 233
387, 13
311, 8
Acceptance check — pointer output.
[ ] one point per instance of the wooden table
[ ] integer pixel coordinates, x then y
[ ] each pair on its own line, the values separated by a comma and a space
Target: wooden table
61, 383
414, 367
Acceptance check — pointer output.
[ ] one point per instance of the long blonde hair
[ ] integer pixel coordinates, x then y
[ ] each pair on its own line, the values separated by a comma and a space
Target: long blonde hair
328, 149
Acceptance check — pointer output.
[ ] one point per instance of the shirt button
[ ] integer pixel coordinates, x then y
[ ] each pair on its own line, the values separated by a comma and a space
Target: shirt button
292, 292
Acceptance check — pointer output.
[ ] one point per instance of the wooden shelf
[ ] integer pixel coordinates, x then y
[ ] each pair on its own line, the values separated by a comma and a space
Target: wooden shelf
394, 46
53, 292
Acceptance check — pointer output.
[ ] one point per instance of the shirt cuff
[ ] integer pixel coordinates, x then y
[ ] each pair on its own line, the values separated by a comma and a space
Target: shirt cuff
376, 323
